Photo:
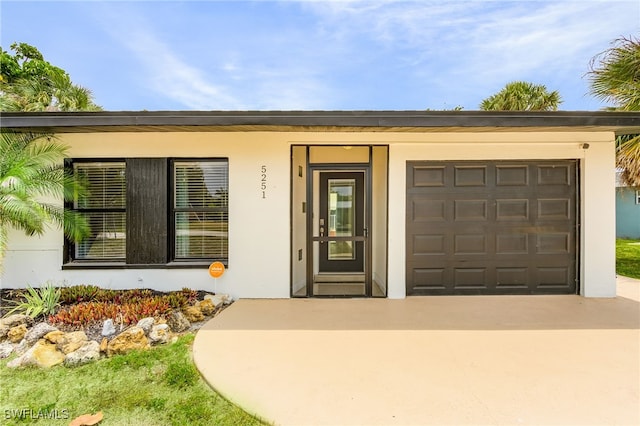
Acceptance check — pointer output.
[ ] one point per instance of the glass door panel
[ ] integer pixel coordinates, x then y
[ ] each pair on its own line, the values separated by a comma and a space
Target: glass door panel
342, 217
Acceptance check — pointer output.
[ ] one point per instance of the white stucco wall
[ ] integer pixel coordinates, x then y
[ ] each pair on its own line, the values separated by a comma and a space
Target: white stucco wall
259, 228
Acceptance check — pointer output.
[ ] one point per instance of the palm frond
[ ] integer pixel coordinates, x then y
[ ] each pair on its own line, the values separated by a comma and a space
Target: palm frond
628, 160
74, 225
522, 96
614, 74
32, 171
23, 214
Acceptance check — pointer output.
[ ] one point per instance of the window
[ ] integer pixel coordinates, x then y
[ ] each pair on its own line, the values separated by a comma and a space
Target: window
152, 211
105, 209
200, 210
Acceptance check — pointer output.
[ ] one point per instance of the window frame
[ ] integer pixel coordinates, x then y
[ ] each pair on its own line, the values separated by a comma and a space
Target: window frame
70, 261
70, 247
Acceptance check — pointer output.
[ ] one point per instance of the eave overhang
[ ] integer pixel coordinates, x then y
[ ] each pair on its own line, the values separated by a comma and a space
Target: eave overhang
321, 121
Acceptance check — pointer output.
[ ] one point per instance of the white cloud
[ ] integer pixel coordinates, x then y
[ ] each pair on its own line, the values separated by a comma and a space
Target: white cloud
164, 71
484, 43
365, 53
177, 79
288, 81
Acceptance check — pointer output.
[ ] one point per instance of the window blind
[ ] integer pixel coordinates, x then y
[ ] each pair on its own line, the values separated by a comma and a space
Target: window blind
201, 209
105, 183
104, 207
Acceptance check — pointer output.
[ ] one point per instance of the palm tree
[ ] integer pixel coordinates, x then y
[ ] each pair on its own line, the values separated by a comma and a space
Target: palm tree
32, 176
522, 96
614, 77
55, 93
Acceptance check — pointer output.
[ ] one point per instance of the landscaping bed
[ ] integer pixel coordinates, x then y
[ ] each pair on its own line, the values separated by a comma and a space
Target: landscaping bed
126, 355
47, 325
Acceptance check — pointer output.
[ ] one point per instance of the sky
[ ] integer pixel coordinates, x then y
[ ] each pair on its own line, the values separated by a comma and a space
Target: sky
319, 55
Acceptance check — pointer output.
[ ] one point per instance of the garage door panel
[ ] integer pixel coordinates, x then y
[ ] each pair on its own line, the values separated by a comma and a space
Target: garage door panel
512, 277
553, 277
553, 243
554, 174
510, 175
491, 227
428, 210
469, 244
475, 278
512, 210
514, 243
428, 245
470, 175
432, 176
475, 210
428, 278
554, 209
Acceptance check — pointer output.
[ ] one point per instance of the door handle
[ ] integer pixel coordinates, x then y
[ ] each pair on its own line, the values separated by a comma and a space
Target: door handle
366, 232
321, 233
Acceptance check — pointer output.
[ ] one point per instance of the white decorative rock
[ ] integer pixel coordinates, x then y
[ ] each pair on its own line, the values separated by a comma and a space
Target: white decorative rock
6, 348
159, 334
108, 329
146, 324
216, 299
88, 352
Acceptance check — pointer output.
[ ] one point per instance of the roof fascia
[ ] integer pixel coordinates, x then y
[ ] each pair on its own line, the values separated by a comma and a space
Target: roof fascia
619, 122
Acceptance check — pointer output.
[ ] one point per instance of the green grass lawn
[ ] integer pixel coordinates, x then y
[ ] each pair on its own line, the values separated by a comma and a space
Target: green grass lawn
628, 258
160, 387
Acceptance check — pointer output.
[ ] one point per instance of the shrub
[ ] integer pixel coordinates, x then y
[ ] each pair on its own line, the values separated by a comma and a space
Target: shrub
191, 295
131, 312
78, 294
135, 295
41, 301
177, 300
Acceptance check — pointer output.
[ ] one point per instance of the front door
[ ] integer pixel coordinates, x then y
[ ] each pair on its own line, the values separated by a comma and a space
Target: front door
341, 221
339, 246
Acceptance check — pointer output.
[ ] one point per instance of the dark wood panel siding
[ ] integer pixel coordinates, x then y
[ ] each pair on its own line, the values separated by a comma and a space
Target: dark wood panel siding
147, 211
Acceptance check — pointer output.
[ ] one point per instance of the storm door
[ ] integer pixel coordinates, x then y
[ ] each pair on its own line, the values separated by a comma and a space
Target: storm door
340, 233
341, 221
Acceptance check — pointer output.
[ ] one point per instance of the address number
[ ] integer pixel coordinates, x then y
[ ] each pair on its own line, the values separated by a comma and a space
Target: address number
263, 181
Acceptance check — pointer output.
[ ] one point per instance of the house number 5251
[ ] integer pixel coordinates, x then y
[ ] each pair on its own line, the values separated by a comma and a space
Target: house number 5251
263, 181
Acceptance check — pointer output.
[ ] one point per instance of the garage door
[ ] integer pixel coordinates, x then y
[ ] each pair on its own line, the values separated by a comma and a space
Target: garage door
491, 227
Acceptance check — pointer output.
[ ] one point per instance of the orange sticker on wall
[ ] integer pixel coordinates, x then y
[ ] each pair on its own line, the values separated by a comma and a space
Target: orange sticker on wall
216, 269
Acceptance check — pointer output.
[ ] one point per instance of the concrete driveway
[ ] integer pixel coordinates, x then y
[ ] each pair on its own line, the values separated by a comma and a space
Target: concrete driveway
478, 360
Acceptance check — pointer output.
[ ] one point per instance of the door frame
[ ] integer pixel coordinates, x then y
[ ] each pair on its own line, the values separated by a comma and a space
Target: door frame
366, 239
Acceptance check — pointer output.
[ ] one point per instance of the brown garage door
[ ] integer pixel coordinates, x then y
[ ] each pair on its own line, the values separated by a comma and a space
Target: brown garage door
491, 227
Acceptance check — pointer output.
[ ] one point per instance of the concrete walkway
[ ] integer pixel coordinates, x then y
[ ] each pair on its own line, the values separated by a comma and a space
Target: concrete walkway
483, 360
